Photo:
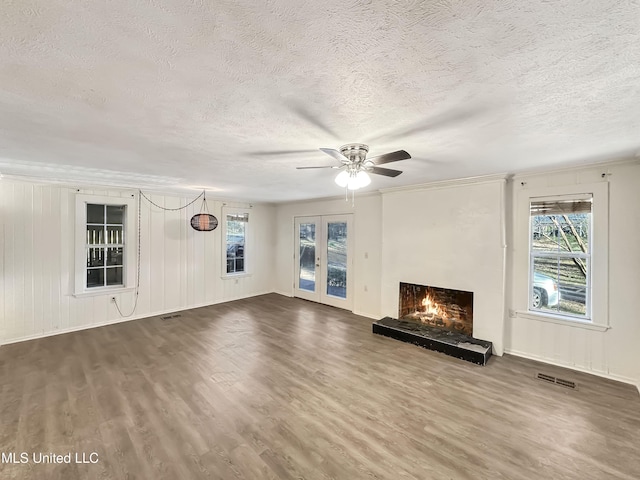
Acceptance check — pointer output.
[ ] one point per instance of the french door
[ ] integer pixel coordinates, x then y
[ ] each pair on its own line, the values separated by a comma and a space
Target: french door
323, 259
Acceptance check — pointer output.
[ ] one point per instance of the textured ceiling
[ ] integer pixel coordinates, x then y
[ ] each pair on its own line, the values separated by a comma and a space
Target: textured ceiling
180, 94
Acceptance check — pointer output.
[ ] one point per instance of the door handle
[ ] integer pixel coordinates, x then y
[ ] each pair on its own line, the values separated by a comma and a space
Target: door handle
317, 264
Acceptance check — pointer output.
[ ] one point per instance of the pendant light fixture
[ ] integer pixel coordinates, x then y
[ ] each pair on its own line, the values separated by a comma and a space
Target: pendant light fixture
204, 222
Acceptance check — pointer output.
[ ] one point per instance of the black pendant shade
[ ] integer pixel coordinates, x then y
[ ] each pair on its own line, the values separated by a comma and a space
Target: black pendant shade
204, 222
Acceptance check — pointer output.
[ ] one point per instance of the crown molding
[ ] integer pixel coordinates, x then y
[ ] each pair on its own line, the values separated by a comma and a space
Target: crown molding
575, 167
457, 182
89, 188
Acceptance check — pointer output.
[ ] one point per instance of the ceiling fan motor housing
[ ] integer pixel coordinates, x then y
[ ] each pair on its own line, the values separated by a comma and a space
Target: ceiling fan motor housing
355, 152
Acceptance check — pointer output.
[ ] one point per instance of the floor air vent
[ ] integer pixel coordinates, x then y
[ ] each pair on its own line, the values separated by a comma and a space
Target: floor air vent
167, 317
557, 381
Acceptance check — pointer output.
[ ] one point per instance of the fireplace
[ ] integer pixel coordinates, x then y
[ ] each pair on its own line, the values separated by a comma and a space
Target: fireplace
439, 319
442, 308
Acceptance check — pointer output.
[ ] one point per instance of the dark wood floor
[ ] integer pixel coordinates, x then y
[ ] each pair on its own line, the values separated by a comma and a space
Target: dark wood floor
280, 388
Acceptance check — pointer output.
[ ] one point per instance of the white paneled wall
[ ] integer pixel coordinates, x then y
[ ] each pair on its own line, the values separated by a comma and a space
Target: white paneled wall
613, 353
180, 268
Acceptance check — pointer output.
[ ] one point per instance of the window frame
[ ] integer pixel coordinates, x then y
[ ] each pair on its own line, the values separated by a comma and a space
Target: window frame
533, 254
247, 242
129, 244
598, 302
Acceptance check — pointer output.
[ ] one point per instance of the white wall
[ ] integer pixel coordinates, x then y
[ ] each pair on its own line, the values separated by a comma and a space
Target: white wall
180, 268
451, 236
367, 240
614, 352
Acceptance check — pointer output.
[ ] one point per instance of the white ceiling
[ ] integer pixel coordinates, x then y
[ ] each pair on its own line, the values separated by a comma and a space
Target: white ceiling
176, 94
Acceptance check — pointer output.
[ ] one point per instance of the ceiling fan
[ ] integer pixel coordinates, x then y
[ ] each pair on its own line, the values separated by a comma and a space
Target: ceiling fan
356, 166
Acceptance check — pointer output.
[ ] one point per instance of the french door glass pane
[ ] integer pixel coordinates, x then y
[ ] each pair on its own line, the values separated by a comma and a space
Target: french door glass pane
337, 259
307, 280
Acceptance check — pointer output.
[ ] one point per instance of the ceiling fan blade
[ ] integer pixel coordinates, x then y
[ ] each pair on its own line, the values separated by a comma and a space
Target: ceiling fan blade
390, 157
332, 152
387, 172
265, 153
304, 168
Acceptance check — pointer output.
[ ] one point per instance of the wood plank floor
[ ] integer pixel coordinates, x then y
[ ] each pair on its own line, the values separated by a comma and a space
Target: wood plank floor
279, 388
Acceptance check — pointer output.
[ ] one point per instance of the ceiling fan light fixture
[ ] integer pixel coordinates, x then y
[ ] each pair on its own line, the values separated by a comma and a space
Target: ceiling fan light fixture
360, 180
353, 180
342, 179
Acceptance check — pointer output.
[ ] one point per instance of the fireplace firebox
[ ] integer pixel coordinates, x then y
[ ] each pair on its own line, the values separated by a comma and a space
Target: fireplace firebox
439, 319
443, 308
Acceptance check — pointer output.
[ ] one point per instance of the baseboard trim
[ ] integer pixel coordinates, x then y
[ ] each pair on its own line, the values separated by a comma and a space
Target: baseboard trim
284, 294
129, 319
610, 376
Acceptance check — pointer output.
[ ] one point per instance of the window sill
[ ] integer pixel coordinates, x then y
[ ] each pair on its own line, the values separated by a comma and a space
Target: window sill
104, 291
231, 276
569, 322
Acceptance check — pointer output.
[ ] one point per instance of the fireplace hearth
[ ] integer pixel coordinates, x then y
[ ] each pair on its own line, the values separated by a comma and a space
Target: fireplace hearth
439, 319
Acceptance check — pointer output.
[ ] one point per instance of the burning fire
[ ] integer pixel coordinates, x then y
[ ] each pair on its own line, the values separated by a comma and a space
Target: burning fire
432, 307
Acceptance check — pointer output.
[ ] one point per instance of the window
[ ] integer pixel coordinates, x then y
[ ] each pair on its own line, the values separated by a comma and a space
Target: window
560, 255
544, 261
236, 223
104, 244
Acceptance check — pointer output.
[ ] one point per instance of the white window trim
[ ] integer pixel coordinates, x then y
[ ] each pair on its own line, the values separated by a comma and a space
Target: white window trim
129, 262
562, 320
599, 250
248, 243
